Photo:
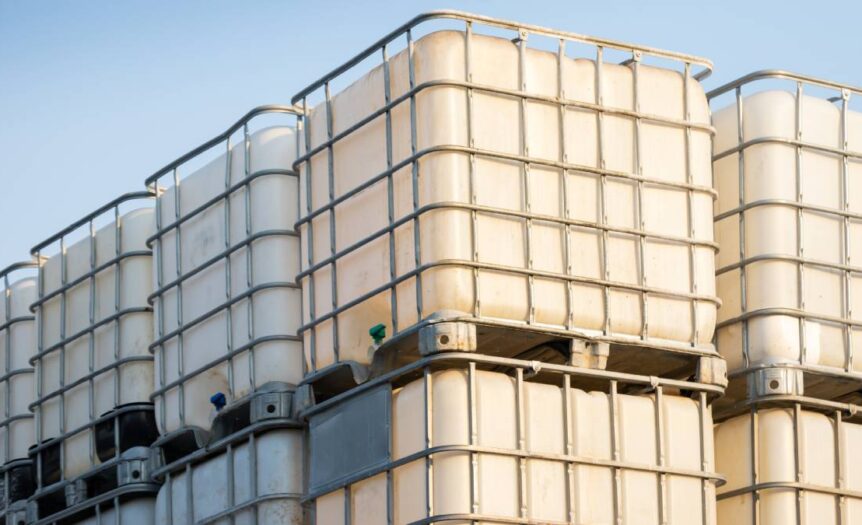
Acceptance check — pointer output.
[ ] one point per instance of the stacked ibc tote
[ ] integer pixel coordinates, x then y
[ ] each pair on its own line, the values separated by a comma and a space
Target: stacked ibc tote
789, 217
93, 372
227, 355
508, 280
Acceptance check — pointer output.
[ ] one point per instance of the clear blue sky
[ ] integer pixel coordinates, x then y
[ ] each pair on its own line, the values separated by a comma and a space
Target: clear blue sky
95, 95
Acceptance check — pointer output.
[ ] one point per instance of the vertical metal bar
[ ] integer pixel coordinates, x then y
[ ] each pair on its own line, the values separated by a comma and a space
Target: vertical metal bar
118, 303
798, 462
521, 434
840, 474
603, 213
62, 383
330, 153
160, 311
37, 366
230, 474
390, 191
692, 233
639, 190
253, 468
564, 189
705, 464
249, 255
228, 271
471, 143
755, 466
845, 227
743, 302
427, 378
309, 231
473, 421
7, 398
169, 494
800, 250
615, 454
417, 244
571, 489
190, 495
525, 173
661, 478
91, 340
179, 272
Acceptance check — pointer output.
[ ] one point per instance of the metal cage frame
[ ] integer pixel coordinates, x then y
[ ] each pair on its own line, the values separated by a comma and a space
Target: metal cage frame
175, 283
60, 238
843, 92
567, 377
839, 413
520, 33
6, 324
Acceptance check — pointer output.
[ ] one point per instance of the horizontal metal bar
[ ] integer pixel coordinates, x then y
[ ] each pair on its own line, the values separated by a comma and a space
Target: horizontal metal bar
119, 492
15, 320
788, 142
221, 445
451, 148
219, 257
221, 359
789, 204
92, 328
83, 379
92, 215
209, 313
249, 504
531, 97
490, 210
463, 263
767, 257
464, 359
503, 24
92, 273
273, 108
116, 412
14, 267
216, 200
777, 485
780, 74
511, 453
11, 419
790, 312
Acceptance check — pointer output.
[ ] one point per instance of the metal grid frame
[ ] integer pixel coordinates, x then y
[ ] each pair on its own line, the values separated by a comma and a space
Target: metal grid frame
9, 275
522, 370
843, 94
163, 285
521, 33
226, 446
838, 413
60, 238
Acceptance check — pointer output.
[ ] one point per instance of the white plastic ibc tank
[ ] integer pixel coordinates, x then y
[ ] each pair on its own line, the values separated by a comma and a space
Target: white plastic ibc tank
227, 256
138, 511
788, 217
495, 448
512, 186
94, 328
17, 347
789, 465
258, 482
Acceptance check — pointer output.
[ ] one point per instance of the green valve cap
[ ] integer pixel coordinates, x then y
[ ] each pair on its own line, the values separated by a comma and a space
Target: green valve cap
378, 333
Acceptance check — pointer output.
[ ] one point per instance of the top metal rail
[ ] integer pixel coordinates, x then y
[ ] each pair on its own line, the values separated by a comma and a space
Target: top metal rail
780, 74
270, 108
705, 64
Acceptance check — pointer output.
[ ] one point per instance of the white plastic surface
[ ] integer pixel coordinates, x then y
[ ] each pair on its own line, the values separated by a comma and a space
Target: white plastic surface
275, 470
548, 492
131, 382
140, 511
444, 177
17, 391
771, 230
777, 463
274, 259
